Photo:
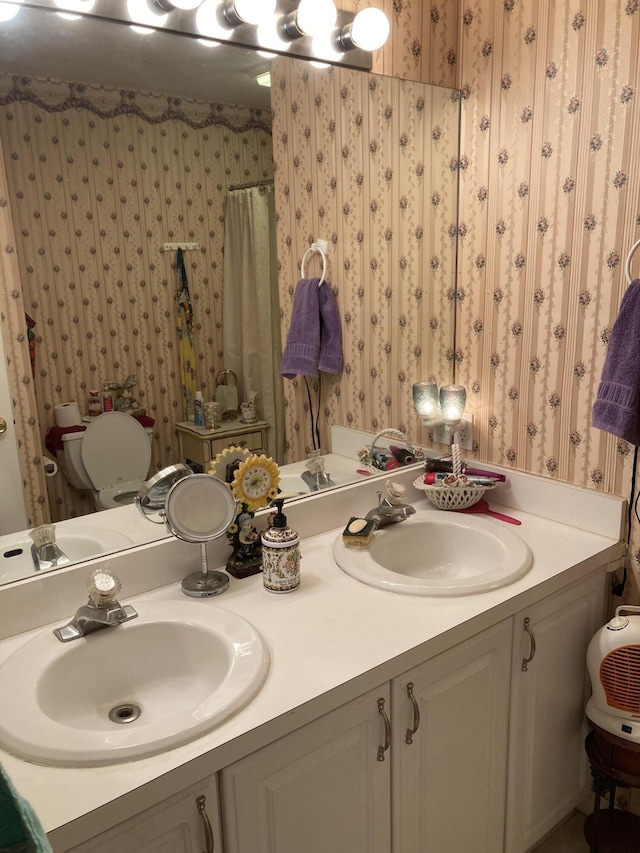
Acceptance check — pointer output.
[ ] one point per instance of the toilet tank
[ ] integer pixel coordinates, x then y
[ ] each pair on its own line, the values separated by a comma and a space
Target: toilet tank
70, 461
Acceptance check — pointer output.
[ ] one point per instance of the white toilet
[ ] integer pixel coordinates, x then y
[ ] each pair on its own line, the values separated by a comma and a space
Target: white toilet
111, 458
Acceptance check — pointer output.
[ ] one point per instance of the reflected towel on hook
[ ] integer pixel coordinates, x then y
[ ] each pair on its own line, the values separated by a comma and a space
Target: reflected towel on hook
330, 331
314, 342
617, 406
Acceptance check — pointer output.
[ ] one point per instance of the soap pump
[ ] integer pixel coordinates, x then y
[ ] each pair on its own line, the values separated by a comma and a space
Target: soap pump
280, 554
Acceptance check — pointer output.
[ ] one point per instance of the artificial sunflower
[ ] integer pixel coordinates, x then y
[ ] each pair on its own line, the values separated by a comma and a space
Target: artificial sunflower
255, 481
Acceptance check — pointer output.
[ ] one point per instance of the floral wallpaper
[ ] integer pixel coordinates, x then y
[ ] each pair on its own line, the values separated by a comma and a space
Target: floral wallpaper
98, 180
550, 207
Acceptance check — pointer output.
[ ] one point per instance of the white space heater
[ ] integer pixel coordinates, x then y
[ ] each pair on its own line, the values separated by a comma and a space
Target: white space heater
613, 661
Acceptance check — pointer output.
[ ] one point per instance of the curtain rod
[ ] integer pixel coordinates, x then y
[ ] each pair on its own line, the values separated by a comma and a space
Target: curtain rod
249, 185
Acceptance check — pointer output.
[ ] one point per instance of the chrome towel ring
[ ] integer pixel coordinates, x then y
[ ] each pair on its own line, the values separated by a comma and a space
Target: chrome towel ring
627, 268
319, 246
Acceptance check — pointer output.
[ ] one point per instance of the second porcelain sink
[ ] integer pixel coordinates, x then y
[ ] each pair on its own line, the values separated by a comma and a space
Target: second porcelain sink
170, 675
438, 553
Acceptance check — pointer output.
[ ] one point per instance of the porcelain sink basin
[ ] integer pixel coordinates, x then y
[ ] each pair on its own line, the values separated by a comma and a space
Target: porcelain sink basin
170, 675
438, 553
16, 560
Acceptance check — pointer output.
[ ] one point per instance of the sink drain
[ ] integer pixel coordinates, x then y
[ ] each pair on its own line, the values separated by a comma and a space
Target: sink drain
128, 712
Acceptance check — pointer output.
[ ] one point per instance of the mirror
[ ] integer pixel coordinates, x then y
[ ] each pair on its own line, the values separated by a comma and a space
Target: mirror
166, 65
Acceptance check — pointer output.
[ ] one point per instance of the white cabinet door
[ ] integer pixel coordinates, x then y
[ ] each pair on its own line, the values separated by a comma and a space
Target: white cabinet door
449, 781
177, 825
547, 774
320, 789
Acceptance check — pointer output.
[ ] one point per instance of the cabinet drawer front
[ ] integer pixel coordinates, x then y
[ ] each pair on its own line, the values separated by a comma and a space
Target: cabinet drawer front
173, 826
449, 775
320, 789
195, 448
548, 774
253, 442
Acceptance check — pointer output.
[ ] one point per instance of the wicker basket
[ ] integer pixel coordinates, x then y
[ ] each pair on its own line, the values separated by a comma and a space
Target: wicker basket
367, 457
451, 497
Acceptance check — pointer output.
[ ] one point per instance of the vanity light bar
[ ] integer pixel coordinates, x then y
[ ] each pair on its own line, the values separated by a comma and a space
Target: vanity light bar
340, 47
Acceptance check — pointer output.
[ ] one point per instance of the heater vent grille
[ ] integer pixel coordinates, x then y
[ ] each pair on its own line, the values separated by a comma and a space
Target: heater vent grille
620, 678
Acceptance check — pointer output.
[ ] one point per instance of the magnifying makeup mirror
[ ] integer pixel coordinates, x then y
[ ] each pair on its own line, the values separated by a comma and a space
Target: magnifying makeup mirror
200, 508
152, 497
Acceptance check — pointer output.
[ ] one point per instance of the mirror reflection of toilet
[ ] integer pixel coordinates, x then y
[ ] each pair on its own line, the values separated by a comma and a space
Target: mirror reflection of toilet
111, 458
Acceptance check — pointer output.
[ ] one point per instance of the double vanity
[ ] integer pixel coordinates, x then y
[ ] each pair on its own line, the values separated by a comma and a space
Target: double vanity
353, 715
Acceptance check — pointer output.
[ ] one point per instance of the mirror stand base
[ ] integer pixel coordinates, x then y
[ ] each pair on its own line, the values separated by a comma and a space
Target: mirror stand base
204, 584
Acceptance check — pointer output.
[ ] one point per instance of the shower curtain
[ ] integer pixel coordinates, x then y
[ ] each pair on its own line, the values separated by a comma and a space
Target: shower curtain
251, 307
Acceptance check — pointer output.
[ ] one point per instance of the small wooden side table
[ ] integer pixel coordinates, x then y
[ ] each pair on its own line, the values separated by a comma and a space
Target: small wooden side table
200, 445
614, 763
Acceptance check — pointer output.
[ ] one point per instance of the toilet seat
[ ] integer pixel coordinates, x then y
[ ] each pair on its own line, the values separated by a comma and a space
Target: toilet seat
116, 453
118, 495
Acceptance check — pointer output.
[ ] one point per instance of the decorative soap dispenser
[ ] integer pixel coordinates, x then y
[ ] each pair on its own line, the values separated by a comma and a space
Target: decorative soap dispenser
280, 554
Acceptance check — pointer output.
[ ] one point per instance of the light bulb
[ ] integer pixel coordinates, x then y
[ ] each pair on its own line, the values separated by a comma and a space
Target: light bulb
268, 36
322, 47
207, 22
185, 5
143, 31
369, 30
425, 400
316, 16
248, 11
139, 12
9, 10
453, 399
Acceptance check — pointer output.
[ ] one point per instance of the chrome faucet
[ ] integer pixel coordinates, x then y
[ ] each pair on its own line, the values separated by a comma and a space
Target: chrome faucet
315, 476
392, 508
319, 480
102, 610
45, 552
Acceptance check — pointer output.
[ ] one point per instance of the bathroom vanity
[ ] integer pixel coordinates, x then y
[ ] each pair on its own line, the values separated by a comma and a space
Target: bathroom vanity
384, 717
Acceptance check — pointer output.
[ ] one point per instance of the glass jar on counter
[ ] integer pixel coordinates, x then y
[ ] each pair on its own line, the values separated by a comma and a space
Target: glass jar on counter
94, 404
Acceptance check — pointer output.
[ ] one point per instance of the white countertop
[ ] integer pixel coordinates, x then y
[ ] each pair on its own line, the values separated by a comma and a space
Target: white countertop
330, 641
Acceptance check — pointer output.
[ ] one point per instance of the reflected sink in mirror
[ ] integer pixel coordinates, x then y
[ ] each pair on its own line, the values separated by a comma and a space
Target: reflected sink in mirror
16, 560
168, 676
438, 553
342, 470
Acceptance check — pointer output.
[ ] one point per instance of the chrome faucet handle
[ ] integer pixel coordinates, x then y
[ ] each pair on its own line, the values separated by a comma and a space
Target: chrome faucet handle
103, 587
396, 493
102, 610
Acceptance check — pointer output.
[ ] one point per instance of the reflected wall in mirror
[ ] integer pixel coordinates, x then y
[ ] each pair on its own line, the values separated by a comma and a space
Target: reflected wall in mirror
369, 163
354, 165
99, 177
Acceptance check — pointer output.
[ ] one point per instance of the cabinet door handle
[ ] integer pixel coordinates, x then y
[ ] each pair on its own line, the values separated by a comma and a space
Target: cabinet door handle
532, 648
201, 803
387, 731
416, 714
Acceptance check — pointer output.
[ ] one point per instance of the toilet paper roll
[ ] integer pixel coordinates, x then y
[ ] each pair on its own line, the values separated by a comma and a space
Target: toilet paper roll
67, 414
50, 467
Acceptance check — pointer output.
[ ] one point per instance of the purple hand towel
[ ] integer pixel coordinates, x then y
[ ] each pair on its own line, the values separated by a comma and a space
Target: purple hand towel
330, 332
314, 341
617, 406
